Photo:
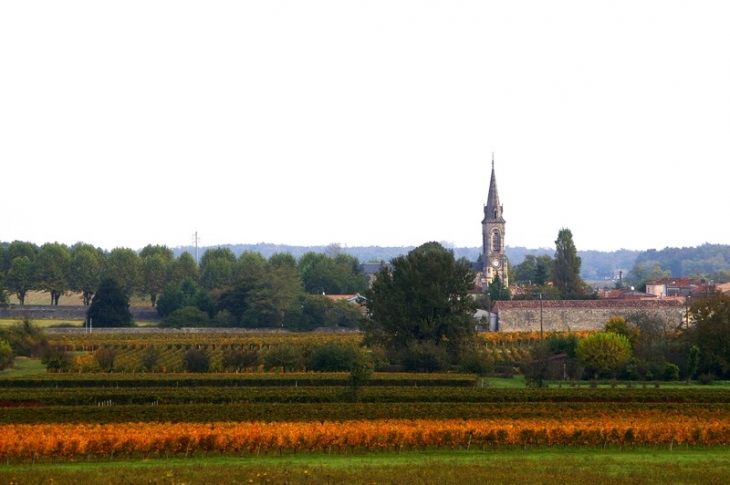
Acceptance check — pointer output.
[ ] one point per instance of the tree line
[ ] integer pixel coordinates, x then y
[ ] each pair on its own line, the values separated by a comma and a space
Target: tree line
248, 290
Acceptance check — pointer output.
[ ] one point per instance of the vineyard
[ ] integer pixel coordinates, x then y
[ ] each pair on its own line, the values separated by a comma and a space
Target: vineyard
129, 349
166, 413
160, 439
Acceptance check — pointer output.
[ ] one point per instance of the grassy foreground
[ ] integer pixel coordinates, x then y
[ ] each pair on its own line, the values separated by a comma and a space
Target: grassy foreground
644, 465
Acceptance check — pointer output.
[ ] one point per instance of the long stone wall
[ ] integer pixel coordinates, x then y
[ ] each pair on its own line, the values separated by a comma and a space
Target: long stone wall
578, 315
66, 312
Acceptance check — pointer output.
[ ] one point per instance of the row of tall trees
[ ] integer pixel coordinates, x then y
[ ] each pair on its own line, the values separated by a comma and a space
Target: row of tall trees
59, 270
223, 290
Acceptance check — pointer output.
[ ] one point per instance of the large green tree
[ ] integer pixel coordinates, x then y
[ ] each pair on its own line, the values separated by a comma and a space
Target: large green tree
85, 268
125, 267
534, 270
51, 270
641, 273
17, 249
3, 292
20, 277
603, 353
497, 291
182, 268
566, 266
334, 274
250, 267
186, 294
711, 333
275, 300
18, 264
156, 263
217, 268
423, 297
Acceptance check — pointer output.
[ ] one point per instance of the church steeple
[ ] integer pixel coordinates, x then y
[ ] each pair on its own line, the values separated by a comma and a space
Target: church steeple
494, 257
493, 209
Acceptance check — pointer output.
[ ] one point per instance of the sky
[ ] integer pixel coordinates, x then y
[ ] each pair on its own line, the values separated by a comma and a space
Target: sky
364, 123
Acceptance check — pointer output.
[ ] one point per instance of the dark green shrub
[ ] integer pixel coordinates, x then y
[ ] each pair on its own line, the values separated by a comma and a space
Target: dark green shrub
331, 357
562, 344
224, 318
424, 357
287, 356
188, 316
475, 362
150, 356
671, 372
105, 357
240, 359
360, 373
196, 360
110, 306
25, 338
706, 379
56, 359
6, 355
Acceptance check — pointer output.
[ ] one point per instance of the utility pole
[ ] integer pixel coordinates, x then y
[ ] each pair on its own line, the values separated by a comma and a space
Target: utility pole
196, 240
541, 317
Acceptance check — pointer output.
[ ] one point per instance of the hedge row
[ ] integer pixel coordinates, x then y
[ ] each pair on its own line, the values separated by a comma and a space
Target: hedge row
335, 394
321, 412
298, 379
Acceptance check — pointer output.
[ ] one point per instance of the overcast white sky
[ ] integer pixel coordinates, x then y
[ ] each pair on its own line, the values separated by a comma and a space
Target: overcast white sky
364, 123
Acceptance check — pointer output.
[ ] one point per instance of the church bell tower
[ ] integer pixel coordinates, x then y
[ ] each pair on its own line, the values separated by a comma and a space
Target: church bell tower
494, 258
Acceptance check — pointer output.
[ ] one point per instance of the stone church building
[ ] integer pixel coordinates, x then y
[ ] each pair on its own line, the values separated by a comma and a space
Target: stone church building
548, 315
493, 259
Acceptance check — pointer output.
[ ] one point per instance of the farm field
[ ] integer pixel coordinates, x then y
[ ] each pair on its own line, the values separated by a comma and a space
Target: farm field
595, 466
165, 426
43, 298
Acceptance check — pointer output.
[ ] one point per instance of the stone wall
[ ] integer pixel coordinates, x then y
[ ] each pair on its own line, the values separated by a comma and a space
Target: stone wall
66, 312
578, 315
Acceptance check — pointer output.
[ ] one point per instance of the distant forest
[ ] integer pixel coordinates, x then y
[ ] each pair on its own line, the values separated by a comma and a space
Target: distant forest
701, 261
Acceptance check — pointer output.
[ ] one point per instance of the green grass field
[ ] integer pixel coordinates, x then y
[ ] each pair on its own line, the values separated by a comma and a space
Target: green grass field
6, 322
24, 367
706, 466
43, 298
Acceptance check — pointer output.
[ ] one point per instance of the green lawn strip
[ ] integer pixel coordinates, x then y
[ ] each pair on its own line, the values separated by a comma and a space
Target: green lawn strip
7, 322
502, 382
24, 367
567, 465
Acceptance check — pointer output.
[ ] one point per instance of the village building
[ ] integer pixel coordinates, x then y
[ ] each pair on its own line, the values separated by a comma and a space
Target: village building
559, 315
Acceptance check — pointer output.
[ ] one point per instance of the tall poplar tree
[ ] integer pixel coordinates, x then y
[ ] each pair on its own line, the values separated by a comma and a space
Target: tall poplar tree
566, 267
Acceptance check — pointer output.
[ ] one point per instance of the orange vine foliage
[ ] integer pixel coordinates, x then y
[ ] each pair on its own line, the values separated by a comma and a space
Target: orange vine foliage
69, 440
505, 338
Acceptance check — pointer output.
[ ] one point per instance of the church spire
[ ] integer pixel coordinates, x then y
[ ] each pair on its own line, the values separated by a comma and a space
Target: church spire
494, 258
493, 209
